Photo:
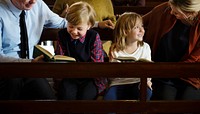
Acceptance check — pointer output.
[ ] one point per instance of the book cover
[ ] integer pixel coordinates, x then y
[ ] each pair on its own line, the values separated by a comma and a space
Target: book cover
49, 57
131, 59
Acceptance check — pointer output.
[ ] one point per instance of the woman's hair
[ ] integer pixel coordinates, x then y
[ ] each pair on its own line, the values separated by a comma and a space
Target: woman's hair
186, 5
124, 23
81, 12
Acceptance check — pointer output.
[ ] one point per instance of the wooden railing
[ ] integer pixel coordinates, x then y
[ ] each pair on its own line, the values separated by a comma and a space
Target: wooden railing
50, 3
93, 70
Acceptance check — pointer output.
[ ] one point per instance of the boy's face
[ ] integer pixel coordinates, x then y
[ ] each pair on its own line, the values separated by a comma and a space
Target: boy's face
77, 31
24, 4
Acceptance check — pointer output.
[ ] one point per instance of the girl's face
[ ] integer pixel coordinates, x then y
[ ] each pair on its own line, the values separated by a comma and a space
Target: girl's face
77, 31
137, 32
24, 4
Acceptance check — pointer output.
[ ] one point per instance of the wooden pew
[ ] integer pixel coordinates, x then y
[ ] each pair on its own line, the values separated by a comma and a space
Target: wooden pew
138, 9
50, 3
153, 3
93, 70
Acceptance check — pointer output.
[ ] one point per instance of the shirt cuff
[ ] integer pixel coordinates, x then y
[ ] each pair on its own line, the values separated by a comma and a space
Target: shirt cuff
96, 24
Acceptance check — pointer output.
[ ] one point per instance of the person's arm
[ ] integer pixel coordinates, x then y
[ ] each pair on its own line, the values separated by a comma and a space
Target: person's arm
109, 11
97, 51
105, 24
106, 16
64, 12
52, 20
12, 59
59, 6
3, 57
194, 56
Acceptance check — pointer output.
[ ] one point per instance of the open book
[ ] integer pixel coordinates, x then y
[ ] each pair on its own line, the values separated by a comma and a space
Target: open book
39, 50
131, 59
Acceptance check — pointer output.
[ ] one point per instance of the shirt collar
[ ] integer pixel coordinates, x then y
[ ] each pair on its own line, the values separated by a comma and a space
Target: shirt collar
13, 9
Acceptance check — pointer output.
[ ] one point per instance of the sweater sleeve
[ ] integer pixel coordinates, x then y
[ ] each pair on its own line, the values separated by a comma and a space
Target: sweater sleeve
194, 56
110, 11
59, 6
12, 59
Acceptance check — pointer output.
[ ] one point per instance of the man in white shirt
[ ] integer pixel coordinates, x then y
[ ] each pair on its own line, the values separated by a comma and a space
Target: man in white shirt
37, 16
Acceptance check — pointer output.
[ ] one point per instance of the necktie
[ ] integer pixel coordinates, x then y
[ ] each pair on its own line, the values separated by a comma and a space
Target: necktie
24, 37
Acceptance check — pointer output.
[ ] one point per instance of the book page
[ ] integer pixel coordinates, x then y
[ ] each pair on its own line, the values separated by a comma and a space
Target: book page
64, 58
48, 56
44, 51
49, 48
143, 60
126, 58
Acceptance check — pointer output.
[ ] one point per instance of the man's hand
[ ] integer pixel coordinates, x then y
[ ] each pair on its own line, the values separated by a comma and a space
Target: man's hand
106, 24
65, 11
38, 59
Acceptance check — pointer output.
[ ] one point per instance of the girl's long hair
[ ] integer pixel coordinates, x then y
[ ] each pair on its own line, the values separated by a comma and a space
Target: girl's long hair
124, 23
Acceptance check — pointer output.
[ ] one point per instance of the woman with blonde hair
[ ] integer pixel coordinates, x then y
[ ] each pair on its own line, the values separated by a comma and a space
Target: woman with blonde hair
173, 32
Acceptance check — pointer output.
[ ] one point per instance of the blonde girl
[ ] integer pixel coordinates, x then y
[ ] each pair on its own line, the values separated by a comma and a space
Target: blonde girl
128, 42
